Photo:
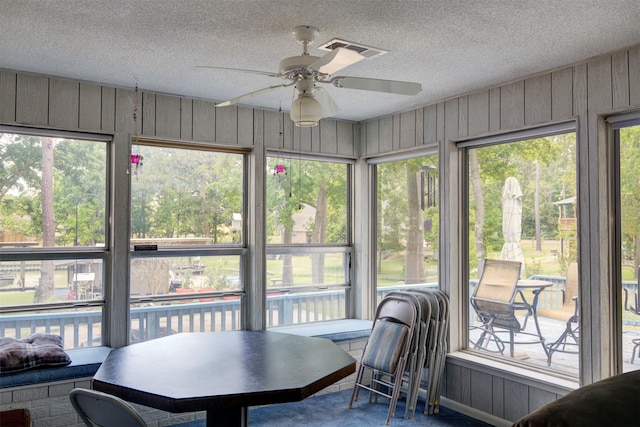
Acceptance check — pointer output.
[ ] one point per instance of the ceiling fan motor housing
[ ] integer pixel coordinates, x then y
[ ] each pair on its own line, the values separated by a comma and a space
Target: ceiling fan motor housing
295, 66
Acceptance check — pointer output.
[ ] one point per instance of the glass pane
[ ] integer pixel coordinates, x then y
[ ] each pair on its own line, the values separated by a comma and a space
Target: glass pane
630, 227
204, 314
306, 201
184, 196
53, 281
27, 284
187, 274
78, 327
522, 202
287, 308
407, 223
52, 191
327, 268
196, 284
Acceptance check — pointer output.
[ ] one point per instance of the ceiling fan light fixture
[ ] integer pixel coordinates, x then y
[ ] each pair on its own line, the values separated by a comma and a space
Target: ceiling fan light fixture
306, 111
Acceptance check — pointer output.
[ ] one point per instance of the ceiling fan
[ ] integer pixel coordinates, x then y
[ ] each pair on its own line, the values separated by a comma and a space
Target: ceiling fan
306, 72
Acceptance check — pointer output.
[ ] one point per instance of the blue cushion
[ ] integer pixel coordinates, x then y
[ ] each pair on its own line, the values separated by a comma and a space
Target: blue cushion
385, 345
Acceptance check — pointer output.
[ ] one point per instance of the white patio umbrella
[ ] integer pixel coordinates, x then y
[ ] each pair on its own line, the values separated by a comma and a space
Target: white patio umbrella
512, 221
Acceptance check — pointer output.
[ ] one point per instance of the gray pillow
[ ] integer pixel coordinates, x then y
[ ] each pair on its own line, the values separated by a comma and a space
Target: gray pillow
614, 401
37, 350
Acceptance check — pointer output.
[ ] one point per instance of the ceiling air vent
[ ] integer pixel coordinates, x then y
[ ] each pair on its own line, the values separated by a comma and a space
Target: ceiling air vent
364, 50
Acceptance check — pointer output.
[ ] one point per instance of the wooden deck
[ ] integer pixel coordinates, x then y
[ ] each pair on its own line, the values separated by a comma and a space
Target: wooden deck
534, 354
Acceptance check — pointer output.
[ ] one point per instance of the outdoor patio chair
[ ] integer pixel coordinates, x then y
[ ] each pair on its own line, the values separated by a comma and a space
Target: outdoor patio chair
635, 309
569, 340
494, 302
387, 350
104, 410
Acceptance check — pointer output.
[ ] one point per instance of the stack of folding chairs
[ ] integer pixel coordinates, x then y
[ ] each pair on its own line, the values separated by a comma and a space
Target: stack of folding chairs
425, 360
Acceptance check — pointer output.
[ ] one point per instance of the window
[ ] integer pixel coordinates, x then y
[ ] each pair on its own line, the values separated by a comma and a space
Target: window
627, 138
522, 198
53, 234
308, 239
407, 223
187, 239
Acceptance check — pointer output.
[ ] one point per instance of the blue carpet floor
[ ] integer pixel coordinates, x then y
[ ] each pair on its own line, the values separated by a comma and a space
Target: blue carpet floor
331, 410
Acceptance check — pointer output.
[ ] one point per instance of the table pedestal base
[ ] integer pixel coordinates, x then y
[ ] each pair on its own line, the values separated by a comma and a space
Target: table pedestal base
227, 417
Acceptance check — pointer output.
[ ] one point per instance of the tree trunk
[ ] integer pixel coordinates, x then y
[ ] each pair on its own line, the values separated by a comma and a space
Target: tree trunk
414, 271
476, 185
319, 235
46, 286
287, 264
537, 209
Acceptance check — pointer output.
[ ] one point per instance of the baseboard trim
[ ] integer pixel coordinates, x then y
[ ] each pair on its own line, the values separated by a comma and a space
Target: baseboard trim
474, 413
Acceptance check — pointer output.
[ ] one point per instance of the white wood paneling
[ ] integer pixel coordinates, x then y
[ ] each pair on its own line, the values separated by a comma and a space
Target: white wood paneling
32, 100
478, 115
395, 131
516, 400
64, 103
537, 99
245, 126
562, 94
227, 125
408, 129
419, 127
186, 118
7, 96
463, 116
481, 398
512, 106
620, 79
495, 108
108, 123
273, 129
90, 115
345, 139
167, 117
497, 393
204, 121
148, 118
385, 134
329, 137
634, 76
430, 122
372, 137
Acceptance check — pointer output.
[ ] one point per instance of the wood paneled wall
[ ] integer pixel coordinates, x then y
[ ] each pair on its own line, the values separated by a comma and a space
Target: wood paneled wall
586, 92
35, 100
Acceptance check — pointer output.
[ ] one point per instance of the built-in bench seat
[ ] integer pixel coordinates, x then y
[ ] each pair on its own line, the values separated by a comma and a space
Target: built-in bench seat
84, 363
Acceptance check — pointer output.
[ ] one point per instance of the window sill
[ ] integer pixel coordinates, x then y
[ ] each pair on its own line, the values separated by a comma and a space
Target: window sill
542, 380
84, 363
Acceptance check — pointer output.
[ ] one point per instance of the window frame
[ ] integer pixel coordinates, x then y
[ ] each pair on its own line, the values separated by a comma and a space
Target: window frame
463, 289
230, 249
614, 124
102, 253
373, 163
319, 248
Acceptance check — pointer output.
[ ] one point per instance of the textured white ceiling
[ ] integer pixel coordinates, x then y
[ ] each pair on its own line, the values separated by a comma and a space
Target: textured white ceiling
449, 46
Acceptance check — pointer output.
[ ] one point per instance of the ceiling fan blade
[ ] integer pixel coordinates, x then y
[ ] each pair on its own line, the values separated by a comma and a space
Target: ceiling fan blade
264, 73
336, 60
252, 94
377, 85
329, 107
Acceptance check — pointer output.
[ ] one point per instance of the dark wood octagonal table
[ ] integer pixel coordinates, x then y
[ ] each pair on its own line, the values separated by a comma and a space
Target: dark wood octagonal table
222, 372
